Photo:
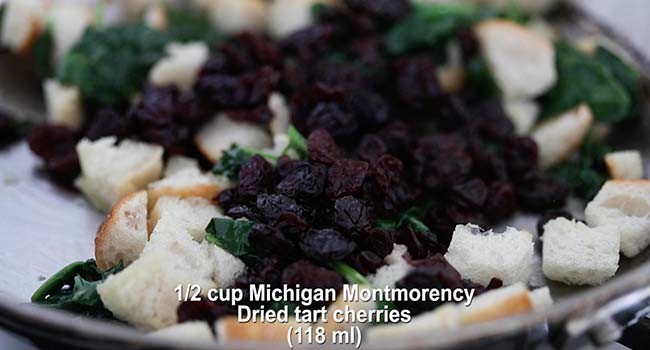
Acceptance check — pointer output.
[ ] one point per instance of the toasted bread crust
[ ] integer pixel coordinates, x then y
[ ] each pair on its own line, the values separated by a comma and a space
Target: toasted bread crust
513, 305
104, 230
229, 329
26, 47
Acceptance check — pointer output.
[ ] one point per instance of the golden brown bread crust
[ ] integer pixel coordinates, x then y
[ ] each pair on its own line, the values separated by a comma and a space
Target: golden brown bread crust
513, 305
34, 31
206, 190
229, 329
104, 229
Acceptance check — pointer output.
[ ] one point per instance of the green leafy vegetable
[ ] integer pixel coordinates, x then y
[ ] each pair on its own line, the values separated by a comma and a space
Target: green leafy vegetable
432, 24
480, 78
74, 288
355, 277
190, 26
410, 217
231, 235
350, 274
231, 161
2, 15
586, 173
42, 53
297, 143
623, 72
582, 78
100, 13
110, 64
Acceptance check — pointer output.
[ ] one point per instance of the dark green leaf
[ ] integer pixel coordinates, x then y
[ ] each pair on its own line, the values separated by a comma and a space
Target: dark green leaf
231, 161
231, 235
297, 143
623, 72
431, 24
350, 274
189, 26
586, 172
411, 217
2, 15
42, 53
480, 79
74, 288
582, 78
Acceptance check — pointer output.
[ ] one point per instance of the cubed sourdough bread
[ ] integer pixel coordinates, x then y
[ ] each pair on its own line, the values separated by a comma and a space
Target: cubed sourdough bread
222, 132
68, 21
559, 137
64, 104
188, 332
193, 213
176, 164
489, 306
181, 227
230, 330
396, 268
575, 254
624, 204
232, 17
143, 293
124, 233
522, 62
22, 23
279, 125
482, 255
624, 165
541, 297
185, 183
109, 171
288, 16
181, 65
523, 115
452, 79
155, 16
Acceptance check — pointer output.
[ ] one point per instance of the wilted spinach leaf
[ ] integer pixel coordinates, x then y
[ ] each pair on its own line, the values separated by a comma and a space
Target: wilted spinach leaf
42, 53
586, 172
582, 78
410, 217
623, 72
350, 274
110, 64
431, 24
297, 143
231, 161
74, 288
231, 235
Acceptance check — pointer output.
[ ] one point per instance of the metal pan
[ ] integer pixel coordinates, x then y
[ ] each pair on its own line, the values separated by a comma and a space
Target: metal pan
44, 227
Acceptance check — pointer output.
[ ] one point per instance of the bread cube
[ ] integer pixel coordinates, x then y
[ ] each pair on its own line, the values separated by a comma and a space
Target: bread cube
64, 104
22, 24
496, 304
232, 17
124, 233
559, 137
109, 171
176, 164
575, 254
523, 115
396, 268
181, 65
624, 165
193, 214
69, 22
222, 132
522, 62
143, 293
482, 255
184, 184
188, 332
288, 16
624, 204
